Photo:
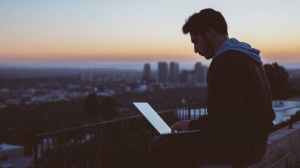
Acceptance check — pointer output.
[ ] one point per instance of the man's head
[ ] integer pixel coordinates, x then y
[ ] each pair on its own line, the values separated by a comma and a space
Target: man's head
208, 30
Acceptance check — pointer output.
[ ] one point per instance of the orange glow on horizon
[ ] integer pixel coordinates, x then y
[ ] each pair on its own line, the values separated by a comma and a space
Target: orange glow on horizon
179, 47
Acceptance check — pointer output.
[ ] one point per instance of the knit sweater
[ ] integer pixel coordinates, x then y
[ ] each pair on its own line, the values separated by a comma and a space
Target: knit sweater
239, 101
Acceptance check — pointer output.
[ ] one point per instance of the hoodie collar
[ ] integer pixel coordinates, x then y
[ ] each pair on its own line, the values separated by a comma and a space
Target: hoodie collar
234, 44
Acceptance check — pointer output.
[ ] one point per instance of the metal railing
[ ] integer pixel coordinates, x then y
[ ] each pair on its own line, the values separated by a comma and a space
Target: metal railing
118, 143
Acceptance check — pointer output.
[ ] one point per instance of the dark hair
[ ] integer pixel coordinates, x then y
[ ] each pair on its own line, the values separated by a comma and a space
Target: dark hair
198, 22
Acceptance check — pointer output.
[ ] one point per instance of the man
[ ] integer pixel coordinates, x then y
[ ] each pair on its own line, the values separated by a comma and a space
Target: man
239, 103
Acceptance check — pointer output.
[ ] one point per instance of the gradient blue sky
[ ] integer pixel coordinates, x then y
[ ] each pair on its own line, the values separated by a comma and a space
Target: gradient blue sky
122, 32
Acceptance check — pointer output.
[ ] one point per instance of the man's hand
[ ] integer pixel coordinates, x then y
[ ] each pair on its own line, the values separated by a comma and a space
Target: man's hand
181, 125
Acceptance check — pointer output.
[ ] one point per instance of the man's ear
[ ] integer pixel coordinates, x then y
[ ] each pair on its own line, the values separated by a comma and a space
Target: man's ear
210, 33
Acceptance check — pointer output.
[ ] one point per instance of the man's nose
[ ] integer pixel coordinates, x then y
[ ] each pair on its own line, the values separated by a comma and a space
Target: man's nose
195, 48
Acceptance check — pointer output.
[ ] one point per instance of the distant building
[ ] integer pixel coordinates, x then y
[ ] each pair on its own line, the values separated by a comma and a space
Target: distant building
147, 73
190, 78
174, 72
204, 74
184, 76
155, 86
82, 77
86, 76
198, 72
90, 76
162, 72
142, 88
198, 66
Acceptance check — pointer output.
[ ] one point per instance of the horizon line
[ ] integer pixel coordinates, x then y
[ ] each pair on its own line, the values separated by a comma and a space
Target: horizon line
139, 66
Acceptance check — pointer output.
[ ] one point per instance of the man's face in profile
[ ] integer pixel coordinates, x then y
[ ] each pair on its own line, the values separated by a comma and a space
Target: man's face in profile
202, 46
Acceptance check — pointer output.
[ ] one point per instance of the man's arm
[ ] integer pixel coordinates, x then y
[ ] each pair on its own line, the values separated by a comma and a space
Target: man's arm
229, 95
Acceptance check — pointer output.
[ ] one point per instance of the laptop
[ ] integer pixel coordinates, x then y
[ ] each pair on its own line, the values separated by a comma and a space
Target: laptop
158, 123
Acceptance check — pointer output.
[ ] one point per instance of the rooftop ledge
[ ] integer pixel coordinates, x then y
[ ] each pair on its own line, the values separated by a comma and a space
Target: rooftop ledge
283, 150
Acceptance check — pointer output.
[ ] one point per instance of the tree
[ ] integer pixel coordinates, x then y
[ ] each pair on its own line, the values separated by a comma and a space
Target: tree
278, 80
91, 106
108, 108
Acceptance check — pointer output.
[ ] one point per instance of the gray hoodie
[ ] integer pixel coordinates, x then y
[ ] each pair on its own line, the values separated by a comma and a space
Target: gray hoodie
234, 44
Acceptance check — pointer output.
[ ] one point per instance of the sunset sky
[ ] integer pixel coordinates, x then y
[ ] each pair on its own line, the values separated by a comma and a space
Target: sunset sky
123, 32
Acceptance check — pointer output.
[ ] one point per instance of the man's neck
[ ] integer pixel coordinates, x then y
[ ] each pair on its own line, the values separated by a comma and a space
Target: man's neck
220, 41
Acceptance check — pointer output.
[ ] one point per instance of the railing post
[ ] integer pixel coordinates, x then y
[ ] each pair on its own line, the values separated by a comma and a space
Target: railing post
1, 140
189, 113
35, 152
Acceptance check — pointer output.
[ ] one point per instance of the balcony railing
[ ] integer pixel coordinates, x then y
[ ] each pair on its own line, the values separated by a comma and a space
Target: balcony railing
118, 143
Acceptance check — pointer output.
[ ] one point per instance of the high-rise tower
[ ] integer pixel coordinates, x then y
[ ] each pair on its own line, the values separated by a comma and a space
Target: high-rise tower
162, 72
174, 72
177, 72
198, 72
147, 72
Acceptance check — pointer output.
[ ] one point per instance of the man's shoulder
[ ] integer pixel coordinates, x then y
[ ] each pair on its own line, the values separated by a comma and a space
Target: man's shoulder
233, 60
227, 59
231, 56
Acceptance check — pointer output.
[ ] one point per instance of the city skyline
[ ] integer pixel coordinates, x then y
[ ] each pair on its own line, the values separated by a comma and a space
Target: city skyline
85, 34
137, 67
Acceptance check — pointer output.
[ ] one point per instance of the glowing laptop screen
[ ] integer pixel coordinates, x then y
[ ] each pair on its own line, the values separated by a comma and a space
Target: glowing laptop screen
153, 117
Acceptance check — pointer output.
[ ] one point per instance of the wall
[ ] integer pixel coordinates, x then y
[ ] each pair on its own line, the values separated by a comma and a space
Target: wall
283, 150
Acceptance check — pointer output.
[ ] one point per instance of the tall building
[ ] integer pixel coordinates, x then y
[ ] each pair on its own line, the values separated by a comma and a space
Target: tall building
162, 72
204, 72
198, 72
198, 66
147, 73
172, 71
176, 72
184, 76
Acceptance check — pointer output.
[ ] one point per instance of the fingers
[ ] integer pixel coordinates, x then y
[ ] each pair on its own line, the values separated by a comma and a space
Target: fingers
179, 126
176, 127
172, 129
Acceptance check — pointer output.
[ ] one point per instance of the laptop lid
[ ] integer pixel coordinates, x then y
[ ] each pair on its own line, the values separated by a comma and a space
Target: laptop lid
157, 122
